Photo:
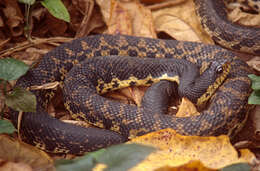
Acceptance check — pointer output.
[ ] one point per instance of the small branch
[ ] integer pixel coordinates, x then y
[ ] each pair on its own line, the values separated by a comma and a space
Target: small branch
53, 41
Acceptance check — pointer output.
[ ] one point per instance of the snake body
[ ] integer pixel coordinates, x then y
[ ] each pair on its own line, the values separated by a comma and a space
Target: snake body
224, 115
213, 17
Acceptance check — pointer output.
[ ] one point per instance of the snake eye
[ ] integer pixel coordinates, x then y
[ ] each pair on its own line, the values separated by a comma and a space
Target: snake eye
219, 69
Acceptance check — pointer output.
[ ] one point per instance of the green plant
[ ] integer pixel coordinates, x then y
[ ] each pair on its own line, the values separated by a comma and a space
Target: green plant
18, 99
255, 96
55, 7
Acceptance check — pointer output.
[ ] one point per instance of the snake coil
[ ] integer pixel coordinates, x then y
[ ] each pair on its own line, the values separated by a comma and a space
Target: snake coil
225, 113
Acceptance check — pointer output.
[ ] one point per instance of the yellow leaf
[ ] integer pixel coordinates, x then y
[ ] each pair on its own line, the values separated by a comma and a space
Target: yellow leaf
176, 150
187, 108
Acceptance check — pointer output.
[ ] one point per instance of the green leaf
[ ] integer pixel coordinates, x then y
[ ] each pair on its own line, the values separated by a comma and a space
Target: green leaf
86, 162
12, 69
237, 167
116, 158
29, 2
255, 81
57, 9
254, 98
6, 127
21, 100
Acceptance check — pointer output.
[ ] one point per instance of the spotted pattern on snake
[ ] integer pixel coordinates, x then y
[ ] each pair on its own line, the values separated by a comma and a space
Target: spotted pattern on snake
225, 113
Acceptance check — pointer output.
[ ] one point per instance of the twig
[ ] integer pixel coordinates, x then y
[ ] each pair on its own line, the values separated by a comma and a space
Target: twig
27, 44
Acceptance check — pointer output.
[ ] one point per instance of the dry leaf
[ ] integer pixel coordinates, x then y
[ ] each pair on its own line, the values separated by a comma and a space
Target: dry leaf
244, 18
186, 21
116, 17
1, 22
186, 109
12, 166
176, 150
14, 17
86, 8
190, 166
175, 27
254, 63
16, 151
255, 117
55, 26
130, 18
95, 23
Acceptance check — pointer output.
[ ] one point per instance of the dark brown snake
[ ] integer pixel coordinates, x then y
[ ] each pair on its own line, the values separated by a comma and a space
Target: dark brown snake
225, 113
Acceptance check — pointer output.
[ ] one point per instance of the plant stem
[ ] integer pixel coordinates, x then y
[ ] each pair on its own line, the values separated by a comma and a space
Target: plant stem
28, 22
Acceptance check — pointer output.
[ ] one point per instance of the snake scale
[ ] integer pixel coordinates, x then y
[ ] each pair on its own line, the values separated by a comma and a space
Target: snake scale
225, 113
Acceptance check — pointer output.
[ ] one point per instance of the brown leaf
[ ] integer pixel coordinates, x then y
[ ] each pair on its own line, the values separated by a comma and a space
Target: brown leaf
86, 8
175, 27
254, 63
243, 18
55, 26
255, 117
16, 151
11, 166
1, 22
116, 17
14, 17
130, 18
181, 22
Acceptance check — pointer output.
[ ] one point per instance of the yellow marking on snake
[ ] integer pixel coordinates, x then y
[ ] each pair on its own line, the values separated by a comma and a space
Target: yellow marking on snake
212, 88
137, 82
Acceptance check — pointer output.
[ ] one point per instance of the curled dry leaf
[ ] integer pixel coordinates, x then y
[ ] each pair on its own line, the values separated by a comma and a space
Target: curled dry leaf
176, 150
116, 17
14, 17
10, 166
86, 8
184, 23
129, 95
254, 63
1, 22
15, 151
130, 18
255, 117
175, 27
186, 109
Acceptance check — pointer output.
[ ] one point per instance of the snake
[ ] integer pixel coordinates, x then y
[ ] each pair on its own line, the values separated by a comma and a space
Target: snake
82, 66
213, 18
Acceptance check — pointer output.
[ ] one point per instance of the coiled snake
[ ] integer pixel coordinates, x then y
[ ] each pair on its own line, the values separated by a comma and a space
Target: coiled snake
225, 112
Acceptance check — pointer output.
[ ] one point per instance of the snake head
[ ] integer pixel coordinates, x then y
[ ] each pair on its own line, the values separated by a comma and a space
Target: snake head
218, 72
